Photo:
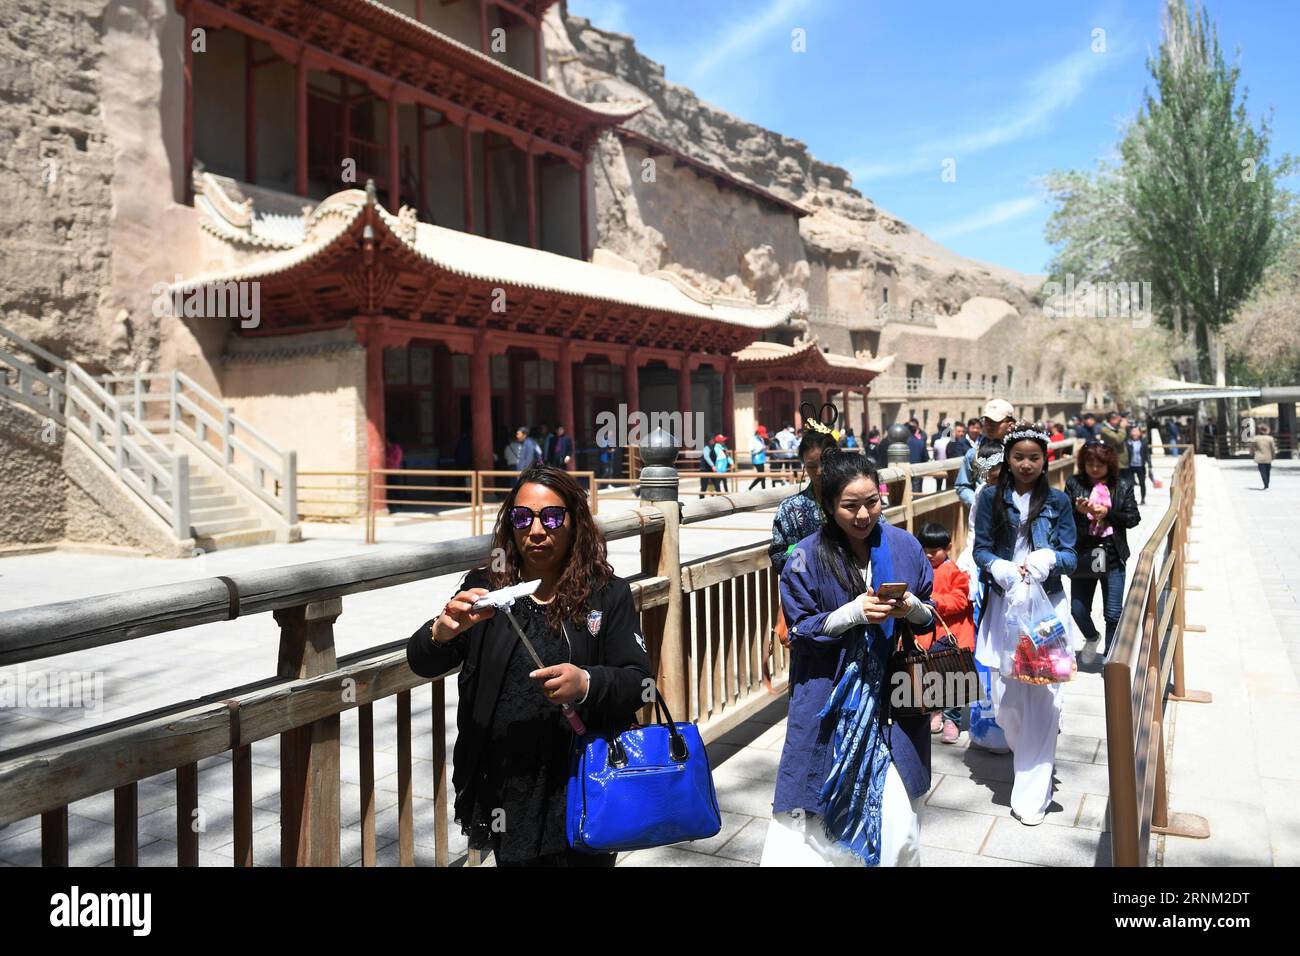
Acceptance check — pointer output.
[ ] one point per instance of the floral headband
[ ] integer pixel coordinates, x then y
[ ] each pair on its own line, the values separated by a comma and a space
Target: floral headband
1026, 431
986, 463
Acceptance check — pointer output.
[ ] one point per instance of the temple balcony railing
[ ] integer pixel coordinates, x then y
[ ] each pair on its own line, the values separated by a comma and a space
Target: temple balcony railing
895, 387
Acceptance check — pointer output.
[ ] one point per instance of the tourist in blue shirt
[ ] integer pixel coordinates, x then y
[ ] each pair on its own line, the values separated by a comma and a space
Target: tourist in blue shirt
997, 420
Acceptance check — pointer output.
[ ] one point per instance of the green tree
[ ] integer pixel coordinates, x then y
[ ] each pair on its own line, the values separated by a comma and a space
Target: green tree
1264, 338
1089, 226
1199, 188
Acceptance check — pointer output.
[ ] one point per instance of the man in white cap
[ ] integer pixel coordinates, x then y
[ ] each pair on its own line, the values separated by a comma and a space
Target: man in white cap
996, 421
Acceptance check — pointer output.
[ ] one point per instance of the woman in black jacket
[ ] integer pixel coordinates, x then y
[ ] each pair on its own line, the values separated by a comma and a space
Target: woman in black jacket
1102, 535
513, 743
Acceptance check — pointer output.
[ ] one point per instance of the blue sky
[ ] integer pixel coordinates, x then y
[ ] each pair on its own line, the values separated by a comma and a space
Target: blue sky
1007, 90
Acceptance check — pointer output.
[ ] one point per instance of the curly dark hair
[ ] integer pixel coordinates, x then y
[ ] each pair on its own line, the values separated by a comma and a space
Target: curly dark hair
586, 567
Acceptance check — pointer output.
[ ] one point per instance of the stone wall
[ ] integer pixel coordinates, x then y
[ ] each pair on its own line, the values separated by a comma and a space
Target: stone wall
664, 216
56, 160
57, 492
91, 112
305, 392
32, 507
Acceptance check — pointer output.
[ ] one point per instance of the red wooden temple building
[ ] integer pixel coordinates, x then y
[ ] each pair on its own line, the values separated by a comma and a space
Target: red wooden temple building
397, 178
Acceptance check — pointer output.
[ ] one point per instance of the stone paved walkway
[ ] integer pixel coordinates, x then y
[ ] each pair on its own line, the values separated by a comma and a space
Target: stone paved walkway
1236, 761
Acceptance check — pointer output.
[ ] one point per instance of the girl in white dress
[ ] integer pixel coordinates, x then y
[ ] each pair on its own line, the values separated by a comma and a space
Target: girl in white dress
1024, 529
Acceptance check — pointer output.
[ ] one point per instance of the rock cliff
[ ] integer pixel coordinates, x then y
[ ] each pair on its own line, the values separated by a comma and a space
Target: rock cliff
856, 238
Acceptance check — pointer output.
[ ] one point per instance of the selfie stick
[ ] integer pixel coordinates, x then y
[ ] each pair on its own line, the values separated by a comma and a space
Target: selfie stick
575, 721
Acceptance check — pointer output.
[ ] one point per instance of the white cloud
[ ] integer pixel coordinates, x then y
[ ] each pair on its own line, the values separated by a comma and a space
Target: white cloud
739, 39
1051, 89
992, 215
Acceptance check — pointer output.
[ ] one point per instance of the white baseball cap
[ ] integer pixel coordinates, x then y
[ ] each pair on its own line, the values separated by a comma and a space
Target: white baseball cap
999, 409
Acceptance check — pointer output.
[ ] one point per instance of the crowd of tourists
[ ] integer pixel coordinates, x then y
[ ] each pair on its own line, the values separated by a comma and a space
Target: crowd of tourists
858, 595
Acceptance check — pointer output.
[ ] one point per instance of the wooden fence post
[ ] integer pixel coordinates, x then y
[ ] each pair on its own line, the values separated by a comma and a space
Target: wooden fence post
309, 756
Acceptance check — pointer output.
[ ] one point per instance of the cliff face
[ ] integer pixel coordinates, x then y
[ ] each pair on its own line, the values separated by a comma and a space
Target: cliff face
56, 161
857, 250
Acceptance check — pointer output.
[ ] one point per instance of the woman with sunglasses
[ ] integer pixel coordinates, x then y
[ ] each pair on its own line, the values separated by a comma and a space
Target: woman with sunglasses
511, 759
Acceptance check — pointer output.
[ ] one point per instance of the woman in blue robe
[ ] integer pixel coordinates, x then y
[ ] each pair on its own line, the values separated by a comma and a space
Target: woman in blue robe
850, 779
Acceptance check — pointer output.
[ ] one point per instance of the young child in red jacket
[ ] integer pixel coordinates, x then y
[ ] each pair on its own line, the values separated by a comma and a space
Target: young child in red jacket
951, 596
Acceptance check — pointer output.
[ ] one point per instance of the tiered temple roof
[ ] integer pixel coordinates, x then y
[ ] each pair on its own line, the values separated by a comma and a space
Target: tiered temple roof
357, 258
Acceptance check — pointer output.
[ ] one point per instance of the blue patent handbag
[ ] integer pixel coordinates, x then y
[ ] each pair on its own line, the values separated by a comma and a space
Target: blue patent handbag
648, 786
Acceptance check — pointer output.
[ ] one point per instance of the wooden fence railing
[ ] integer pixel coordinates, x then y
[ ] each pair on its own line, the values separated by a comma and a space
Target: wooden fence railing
1143, 672
707, 625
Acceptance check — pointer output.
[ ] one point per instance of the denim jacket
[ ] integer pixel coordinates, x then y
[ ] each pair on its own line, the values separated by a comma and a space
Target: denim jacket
1054, 529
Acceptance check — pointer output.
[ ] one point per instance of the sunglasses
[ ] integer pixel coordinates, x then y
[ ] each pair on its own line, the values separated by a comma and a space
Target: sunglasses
521, 517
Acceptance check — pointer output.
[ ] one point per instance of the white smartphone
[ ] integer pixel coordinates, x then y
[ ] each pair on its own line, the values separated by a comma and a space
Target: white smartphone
506, 596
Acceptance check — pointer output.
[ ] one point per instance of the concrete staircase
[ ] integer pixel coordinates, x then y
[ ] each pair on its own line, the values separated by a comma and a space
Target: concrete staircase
220, 518
196, 477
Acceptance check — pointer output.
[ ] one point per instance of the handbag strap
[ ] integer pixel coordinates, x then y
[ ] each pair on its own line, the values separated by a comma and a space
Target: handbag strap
939, 617
926, 650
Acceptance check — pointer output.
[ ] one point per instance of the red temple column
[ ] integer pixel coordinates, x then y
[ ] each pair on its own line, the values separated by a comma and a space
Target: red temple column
394, 172
487, 188
583, 240
420, 134
467, 153
530, 168
684, 385
798, 398
564, 389
376, 429
632, 382
250, 112
729, 401
480, 389
300, 123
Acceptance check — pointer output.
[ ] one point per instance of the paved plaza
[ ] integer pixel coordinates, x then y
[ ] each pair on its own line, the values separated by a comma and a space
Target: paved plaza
1245, 545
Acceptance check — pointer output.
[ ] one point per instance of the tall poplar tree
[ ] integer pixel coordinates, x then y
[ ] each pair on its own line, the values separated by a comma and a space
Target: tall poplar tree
1199, 189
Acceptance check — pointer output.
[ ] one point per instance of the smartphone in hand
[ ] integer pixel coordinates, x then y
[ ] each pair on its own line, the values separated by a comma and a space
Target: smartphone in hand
892, 591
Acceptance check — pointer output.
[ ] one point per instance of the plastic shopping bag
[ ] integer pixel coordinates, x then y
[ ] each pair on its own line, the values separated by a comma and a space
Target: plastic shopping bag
1039, 646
